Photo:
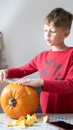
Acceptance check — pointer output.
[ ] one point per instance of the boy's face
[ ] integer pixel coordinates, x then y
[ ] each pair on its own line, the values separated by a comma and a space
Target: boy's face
54, 36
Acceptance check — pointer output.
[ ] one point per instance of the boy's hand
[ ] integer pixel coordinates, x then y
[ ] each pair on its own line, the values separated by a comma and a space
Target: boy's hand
31, 82
3, 75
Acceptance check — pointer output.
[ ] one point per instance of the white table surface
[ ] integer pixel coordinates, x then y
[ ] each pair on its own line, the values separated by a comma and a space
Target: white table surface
38, 126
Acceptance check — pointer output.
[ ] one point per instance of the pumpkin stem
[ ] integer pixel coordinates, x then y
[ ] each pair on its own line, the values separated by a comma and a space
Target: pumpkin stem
12, 102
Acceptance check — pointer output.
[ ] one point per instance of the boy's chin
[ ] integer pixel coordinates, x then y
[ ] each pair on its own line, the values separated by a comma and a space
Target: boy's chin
49, 44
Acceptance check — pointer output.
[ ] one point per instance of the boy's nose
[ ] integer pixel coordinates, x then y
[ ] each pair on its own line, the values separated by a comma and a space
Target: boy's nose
48, 33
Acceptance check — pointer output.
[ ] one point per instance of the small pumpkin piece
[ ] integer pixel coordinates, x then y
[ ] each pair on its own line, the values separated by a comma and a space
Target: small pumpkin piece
34, 118
45, 119
22, 124
20, 119
29, 122
9, 124
31, 119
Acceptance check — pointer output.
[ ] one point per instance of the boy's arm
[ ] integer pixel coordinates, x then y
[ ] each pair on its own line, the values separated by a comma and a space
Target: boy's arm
22, 71
27, 69
58, 86
19, 72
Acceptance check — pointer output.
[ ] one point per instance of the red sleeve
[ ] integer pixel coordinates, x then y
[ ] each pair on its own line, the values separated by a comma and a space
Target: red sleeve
61, 86
22, 71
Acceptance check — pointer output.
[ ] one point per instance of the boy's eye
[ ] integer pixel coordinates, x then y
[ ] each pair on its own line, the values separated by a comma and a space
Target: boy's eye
52, 31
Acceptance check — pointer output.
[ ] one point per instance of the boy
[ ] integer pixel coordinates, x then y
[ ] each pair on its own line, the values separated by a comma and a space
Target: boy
54, 66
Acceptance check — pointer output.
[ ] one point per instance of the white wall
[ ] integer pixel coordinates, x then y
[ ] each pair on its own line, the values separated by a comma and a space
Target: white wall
21, 21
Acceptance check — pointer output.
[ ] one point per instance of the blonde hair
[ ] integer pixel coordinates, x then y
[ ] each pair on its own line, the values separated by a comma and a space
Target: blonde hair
60, 17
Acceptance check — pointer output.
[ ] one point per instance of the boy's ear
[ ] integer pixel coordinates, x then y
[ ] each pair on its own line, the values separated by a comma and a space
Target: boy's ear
67, 32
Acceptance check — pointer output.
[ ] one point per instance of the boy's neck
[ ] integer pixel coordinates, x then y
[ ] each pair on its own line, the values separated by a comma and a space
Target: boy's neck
59, 48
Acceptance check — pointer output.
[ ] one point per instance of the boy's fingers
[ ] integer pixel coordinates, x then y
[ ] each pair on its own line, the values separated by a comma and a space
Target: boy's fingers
1, 76
23, 81
4, 76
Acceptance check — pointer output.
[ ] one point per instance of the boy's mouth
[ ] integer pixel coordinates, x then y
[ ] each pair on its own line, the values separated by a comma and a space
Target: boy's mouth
49, 41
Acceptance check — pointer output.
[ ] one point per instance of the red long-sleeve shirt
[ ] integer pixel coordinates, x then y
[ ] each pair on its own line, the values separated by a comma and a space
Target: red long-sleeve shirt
56, 69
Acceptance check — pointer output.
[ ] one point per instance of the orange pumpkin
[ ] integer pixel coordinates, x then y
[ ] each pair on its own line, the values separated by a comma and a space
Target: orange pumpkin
18, 100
